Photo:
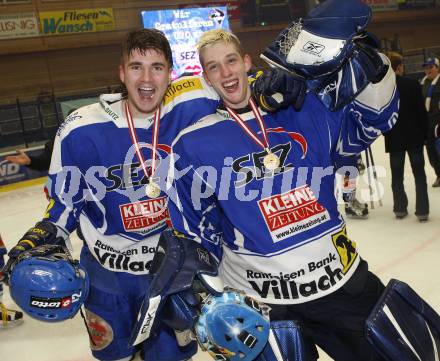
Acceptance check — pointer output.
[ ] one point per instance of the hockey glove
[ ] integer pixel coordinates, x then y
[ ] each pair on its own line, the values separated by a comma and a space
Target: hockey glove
332, 50
364, 66
42, 233
276, 89
179, 265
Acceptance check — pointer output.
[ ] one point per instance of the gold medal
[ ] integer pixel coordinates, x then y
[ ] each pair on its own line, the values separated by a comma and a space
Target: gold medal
271, 161
152, 190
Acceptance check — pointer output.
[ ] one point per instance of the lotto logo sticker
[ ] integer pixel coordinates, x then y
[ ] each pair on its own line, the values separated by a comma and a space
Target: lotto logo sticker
144, 216
292, 212
53, 303
47, 303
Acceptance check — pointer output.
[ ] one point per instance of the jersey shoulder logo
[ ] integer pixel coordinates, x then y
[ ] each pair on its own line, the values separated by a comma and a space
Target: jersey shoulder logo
181, 86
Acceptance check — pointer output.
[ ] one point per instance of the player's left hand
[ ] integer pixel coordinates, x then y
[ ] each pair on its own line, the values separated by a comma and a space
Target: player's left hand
276, 89
43, 232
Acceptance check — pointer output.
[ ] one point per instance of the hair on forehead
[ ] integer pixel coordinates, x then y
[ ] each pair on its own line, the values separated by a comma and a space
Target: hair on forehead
144, 40
215, 36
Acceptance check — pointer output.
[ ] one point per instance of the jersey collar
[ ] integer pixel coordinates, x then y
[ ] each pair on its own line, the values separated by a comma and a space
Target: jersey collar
113, 107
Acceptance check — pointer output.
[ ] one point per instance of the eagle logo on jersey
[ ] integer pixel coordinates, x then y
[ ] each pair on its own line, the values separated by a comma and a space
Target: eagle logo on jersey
346, 249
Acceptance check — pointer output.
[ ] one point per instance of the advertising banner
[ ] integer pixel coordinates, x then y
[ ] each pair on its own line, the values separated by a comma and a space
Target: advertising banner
382, 5
21, 25
183, 28
416, 4
76, 21
233, 7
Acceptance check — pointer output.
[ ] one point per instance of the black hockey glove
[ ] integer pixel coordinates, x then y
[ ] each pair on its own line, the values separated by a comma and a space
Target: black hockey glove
277, 89
182, 268
42, 233
368, 57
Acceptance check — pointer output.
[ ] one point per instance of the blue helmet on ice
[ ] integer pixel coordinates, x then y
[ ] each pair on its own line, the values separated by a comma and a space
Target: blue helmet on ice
47, 284
232, 326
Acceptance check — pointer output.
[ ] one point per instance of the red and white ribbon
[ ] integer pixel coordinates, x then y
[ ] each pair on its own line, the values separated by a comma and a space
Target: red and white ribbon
240, 121
135, 140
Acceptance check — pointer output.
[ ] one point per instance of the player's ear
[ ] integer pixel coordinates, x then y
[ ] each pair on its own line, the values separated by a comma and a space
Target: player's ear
206, 78
121, 73
247, 62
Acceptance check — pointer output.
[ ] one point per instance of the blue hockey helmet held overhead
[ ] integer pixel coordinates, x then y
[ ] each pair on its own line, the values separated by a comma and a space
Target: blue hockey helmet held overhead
47, 284
233, 326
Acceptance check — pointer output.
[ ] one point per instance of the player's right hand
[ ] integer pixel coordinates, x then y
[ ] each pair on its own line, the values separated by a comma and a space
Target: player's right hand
42, 233
277, 89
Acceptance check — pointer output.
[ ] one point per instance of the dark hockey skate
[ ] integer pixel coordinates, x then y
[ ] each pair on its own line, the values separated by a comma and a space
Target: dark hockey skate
356, 210
9, 318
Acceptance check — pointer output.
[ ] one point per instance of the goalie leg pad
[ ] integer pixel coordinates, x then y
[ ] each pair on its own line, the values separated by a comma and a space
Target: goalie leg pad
402, 326
285, 343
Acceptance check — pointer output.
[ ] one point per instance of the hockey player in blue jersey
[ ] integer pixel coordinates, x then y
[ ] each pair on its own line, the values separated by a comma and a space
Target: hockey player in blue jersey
258, 188
103, 177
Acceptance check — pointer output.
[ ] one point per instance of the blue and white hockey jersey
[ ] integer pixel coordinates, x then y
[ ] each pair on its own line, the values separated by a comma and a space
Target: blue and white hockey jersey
95, 177
279, 234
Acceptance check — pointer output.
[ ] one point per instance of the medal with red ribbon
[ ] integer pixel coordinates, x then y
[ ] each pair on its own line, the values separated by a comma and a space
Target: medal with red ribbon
152, 189
270, 160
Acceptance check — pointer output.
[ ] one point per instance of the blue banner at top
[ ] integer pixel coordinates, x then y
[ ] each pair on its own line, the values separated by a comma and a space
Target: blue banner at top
183, 28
